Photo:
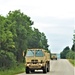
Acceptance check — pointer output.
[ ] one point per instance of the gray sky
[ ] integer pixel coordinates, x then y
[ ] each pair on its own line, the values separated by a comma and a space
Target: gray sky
56, 18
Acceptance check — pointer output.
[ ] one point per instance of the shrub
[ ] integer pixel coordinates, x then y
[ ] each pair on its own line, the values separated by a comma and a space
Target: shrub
7, 60
70, 55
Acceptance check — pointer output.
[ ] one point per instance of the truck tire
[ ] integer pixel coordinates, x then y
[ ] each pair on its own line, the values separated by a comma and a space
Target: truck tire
48, 68
27, 70
45, 69
56, 58
51, 58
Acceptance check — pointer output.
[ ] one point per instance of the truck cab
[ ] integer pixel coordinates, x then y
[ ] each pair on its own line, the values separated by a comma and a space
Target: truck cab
53, 56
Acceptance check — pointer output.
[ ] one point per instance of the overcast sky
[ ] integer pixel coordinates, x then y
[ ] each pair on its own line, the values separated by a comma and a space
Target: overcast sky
56, 18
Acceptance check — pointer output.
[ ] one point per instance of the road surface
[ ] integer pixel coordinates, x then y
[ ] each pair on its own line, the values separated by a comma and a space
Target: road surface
58, 67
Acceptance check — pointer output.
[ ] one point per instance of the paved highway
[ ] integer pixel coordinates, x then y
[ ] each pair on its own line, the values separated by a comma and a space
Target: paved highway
58, 67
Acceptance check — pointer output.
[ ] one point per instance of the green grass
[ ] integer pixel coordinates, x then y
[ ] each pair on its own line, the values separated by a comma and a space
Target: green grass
14, 71
72, 61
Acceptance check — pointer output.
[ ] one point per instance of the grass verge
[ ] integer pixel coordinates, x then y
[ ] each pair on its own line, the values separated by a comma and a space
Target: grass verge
14, 71
72, 61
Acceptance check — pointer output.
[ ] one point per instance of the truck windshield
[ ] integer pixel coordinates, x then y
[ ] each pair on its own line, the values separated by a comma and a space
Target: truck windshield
30, 53
39, 53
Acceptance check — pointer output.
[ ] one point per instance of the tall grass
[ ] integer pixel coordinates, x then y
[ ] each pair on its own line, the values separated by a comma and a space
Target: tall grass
72, 61
13, 71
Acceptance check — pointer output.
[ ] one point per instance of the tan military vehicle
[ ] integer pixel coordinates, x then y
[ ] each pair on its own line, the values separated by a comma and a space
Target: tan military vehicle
53, 56
37, 59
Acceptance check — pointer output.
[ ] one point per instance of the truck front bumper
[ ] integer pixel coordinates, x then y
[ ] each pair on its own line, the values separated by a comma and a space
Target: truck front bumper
36, 66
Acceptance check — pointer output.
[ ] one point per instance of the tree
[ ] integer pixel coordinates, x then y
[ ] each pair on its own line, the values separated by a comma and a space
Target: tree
73, 47
64, 52
44, 41
2, 33
70, 55
22, 24
36, 39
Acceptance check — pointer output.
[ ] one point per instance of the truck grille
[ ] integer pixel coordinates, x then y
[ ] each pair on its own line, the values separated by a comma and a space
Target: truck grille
34, 61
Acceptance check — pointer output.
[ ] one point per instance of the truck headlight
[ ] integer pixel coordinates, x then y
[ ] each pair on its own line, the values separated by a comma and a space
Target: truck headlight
28, 64
41, 64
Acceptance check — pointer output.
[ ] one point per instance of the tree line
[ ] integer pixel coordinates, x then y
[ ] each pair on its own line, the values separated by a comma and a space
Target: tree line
68, 53
16, 35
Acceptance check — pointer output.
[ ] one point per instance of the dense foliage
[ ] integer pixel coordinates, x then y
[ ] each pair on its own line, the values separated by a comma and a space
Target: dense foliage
16, 35
71, 54
7, 60
73, 47
64, 52
68, 53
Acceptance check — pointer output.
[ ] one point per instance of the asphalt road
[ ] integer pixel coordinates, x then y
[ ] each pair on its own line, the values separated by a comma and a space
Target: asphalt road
58, 67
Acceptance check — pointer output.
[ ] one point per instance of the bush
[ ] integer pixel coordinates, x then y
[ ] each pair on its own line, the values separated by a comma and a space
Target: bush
14, 71
70, 55
7, 60
72, 61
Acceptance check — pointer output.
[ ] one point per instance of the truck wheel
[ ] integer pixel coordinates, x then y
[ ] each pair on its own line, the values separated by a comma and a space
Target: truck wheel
48, 69
51, 58
45, 69
27, 70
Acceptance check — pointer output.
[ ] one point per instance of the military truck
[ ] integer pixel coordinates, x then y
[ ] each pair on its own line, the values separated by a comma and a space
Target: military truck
37, 59
53, 56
